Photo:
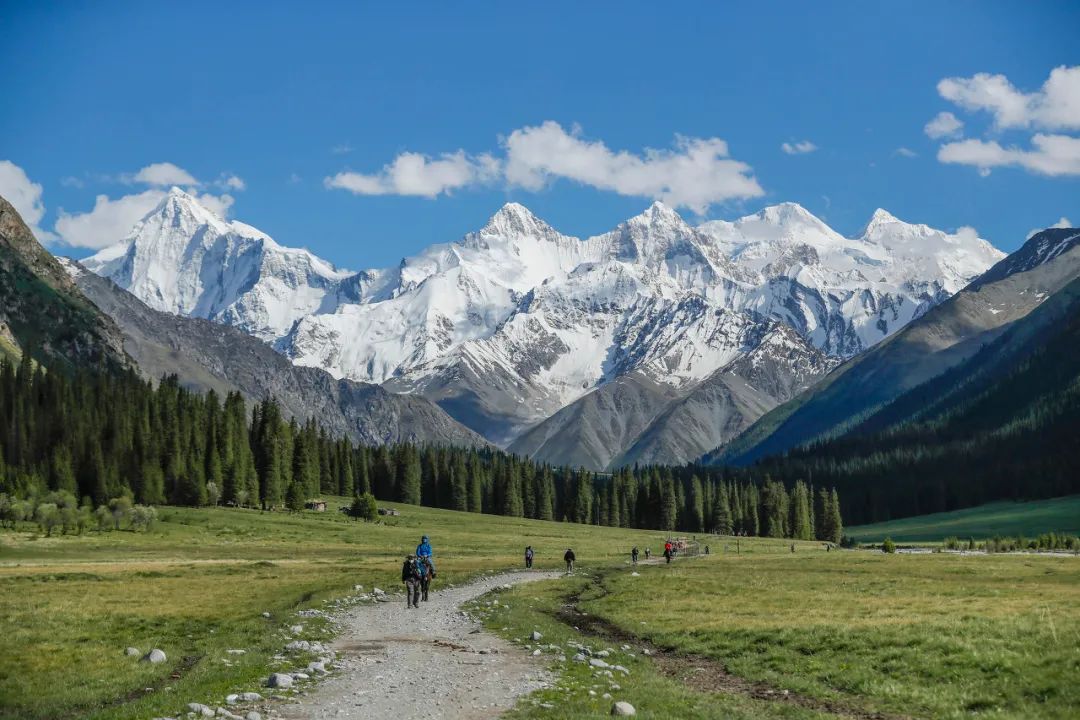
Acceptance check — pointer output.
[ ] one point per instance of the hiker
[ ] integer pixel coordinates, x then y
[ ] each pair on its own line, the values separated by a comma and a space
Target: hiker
706, 549
668, 551
634, 554
569, 557
423, 551
648, 553
426, 573
528, 557
411, 575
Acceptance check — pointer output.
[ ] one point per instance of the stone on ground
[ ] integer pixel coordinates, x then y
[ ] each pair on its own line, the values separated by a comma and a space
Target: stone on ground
132, 651
155, 656
279, 680
623, 708
200, 709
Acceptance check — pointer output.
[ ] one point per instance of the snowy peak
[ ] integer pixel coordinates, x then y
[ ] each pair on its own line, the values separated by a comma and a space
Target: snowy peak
514, 219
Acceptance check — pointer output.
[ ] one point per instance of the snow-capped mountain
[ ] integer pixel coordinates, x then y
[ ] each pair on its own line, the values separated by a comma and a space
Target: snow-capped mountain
515, 321
184, 259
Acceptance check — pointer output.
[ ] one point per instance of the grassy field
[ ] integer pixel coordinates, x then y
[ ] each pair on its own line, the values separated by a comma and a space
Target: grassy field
924, 636
1004, 518
856, 633
196, 586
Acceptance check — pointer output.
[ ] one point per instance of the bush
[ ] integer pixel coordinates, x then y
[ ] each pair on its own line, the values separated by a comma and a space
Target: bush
888, 546
142, 517
364, 507
119, 508
47, 516
103, 518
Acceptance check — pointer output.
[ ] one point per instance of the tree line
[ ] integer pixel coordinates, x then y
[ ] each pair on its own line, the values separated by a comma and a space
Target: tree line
99, 437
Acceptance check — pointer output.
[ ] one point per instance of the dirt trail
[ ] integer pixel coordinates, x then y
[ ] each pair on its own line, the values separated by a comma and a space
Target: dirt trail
432, 663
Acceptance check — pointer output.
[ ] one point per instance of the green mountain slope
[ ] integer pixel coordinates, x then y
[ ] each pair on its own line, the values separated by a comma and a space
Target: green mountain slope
1001, 425
946, 337
41, 308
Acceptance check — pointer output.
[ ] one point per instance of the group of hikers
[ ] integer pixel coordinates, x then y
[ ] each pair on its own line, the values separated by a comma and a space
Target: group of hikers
418, 570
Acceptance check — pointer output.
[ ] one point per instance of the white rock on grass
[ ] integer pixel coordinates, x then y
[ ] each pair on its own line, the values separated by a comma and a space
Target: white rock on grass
236, 652
132, 651
232, 699
155, 656
266, 614
296, 629
253, 716
251, 697
578, 658
223, 713
598, 663
200, 709
279, 680
623, 709
318, 667
536, 636
537, 652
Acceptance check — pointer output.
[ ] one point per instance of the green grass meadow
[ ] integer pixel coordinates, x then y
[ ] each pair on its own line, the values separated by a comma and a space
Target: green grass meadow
915, 636
985, 521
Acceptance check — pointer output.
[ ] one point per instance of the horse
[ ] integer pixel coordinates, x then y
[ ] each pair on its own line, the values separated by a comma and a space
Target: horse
425, 579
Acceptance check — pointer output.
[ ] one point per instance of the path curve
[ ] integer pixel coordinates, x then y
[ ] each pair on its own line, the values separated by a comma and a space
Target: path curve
428, 664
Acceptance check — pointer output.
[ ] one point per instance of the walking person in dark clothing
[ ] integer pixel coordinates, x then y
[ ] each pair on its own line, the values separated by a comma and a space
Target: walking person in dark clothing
648, 553
412, 576
569, 558
528, 557
634, 554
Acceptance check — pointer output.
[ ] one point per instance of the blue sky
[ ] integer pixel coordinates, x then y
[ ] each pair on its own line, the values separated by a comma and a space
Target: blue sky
535, 104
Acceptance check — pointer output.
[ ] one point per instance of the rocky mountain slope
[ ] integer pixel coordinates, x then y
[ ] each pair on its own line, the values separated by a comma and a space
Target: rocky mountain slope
206, 355
41, 308
944, 338
1000, 424
515, 322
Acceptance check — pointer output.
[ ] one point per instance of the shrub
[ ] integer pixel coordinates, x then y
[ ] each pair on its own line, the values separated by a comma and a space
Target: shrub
364, 507
119, 508
142, 517
47, 516
888, 546
103, 518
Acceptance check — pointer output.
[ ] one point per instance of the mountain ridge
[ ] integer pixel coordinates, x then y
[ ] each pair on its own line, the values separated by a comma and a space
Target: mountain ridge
515, 321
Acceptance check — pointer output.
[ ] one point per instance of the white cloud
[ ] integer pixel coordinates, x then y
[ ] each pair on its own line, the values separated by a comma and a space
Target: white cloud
25, 196
1052, 155
1064, 222
905, 152
415, 174
230, 182
1055, 106
696, 174
164, 174
967, 234
944, 125
111, 220
108, 222
800, 148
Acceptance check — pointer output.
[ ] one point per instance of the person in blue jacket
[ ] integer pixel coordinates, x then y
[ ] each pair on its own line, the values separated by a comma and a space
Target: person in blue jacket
423, 550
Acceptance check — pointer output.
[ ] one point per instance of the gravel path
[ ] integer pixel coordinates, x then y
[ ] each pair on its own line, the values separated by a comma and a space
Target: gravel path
429, 663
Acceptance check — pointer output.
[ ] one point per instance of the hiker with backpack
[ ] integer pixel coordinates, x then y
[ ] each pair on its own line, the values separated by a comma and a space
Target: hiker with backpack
569, 558
528, 557
412, 574
634, 555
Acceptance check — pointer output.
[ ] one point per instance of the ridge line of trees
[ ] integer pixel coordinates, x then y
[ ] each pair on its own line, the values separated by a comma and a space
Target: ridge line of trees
102, 436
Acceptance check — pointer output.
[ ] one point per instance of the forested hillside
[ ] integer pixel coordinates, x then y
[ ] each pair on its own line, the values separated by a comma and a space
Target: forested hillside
98, 437
999, 426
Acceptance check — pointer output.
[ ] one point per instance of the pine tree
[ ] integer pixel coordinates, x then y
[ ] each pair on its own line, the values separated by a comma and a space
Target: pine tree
668, 505
800, 524
836, 523
695, 506
722, 511
410, 475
